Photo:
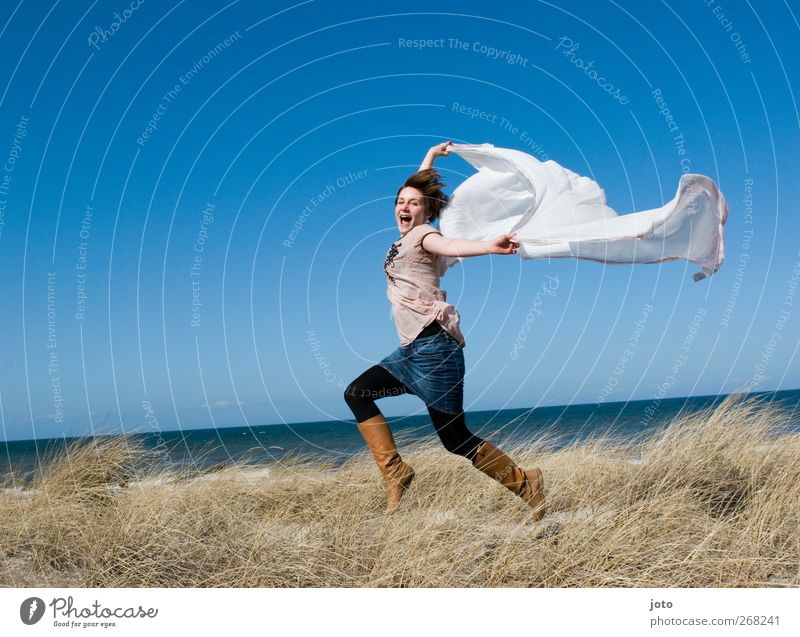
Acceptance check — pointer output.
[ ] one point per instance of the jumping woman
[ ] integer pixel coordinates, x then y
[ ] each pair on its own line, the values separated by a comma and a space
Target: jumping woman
430, 361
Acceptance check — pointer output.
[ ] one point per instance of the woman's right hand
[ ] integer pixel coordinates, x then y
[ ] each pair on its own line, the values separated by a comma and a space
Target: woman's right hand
504, 244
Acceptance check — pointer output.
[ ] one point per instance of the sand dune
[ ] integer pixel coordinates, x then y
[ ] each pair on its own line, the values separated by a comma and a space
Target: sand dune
714, 500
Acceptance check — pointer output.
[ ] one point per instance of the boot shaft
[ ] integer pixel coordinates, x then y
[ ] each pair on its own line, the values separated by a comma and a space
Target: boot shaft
527, 484
397, 475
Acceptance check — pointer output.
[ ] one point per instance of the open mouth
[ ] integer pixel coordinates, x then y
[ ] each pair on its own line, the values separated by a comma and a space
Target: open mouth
405, 218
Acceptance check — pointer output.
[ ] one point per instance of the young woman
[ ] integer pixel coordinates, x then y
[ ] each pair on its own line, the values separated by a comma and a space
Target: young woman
430, 361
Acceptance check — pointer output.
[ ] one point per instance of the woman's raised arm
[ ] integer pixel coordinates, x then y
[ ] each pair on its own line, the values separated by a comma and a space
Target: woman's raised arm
440, 150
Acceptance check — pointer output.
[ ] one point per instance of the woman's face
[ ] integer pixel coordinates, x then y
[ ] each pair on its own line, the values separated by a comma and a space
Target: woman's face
409, 210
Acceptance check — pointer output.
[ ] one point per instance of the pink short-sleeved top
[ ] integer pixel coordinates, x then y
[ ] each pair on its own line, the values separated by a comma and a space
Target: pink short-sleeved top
412, 285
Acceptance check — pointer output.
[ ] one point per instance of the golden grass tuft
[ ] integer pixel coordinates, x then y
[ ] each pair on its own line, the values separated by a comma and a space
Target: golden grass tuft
712, 500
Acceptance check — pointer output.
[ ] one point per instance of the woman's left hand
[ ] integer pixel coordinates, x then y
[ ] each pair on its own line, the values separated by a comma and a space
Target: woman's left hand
504, 244
440, 150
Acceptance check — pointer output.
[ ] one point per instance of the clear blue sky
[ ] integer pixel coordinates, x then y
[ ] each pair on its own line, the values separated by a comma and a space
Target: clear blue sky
264, 192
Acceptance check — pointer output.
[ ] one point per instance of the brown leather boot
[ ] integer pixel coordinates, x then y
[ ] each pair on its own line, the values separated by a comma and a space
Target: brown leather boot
526, 483
397, 475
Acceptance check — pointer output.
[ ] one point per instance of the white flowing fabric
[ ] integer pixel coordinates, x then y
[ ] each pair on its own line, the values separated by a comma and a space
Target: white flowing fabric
558, 213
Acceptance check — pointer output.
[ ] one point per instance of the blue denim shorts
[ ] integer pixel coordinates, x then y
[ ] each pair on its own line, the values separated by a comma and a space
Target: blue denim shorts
433, 368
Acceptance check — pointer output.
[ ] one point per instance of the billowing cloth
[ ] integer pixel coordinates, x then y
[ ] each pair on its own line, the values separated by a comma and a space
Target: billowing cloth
558, 213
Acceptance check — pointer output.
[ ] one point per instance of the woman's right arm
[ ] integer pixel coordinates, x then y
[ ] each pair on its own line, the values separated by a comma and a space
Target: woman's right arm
440, 150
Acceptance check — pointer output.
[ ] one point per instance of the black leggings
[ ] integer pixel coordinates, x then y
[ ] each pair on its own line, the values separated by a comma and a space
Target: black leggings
378, 382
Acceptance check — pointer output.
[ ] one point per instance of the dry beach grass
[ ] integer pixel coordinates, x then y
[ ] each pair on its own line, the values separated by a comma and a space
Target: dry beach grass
714, 500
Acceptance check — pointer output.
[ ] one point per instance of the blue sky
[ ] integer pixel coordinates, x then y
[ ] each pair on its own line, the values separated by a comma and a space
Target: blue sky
243, 156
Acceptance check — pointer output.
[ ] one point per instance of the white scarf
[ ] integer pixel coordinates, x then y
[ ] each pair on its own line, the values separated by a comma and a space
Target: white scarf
558, 213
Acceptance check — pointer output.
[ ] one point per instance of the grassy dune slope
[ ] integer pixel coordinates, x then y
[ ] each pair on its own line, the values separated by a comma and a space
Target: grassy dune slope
713, 501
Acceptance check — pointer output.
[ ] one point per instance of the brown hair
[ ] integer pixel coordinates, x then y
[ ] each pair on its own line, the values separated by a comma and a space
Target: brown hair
429, 183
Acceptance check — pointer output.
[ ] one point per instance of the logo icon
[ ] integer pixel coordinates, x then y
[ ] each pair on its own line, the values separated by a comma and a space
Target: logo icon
31, 610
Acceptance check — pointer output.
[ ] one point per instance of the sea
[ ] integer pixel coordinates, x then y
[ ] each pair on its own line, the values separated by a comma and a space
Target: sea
334, 442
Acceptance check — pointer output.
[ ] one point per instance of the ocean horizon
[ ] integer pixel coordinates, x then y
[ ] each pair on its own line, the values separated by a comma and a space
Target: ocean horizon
338, 440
